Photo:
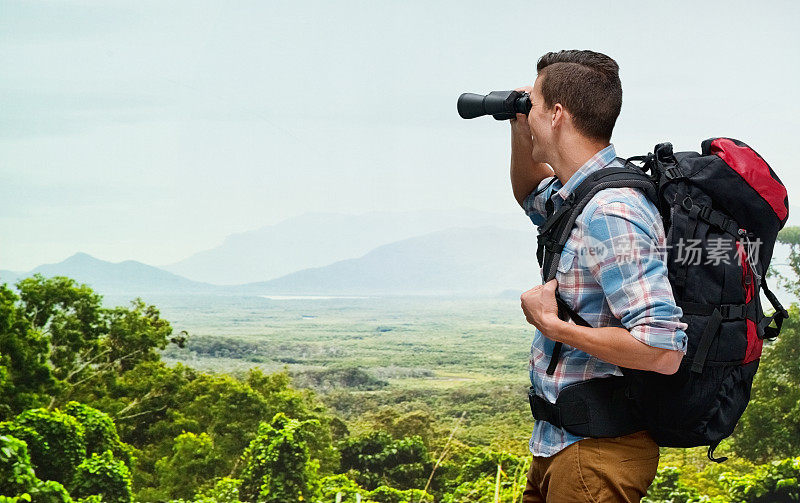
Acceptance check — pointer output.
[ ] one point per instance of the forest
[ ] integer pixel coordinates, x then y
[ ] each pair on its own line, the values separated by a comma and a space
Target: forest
94, 408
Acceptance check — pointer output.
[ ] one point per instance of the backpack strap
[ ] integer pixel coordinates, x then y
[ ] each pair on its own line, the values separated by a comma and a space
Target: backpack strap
554, 233
598, 407
765, 331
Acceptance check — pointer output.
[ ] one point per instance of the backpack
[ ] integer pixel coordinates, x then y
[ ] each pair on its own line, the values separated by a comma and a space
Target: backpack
725, 200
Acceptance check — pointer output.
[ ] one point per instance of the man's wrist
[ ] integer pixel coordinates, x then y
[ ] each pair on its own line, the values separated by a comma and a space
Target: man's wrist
521, 137
554, 328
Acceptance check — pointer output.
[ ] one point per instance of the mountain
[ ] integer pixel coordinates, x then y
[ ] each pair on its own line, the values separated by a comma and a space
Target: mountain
319, 239
463, 261
10, 277
128, 277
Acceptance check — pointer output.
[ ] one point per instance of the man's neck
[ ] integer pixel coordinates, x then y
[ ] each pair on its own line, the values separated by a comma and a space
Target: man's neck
571, 155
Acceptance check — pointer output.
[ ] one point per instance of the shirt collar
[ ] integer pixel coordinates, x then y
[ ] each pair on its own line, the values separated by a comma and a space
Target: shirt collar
599, 160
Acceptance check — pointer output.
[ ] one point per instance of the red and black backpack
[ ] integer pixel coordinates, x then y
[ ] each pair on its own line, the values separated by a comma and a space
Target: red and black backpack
725, 198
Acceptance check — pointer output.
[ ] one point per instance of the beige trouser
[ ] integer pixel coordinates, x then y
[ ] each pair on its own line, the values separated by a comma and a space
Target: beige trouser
595, 470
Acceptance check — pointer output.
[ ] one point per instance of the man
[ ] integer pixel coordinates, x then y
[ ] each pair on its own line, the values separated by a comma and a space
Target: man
635, 323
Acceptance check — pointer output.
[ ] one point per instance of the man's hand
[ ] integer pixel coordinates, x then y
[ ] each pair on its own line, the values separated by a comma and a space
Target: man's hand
525, 174
611, 344
540, 308
519, 125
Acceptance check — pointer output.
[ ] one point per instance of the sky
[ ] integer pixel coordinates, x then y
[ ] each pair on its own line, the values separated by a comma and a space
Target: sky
150, 130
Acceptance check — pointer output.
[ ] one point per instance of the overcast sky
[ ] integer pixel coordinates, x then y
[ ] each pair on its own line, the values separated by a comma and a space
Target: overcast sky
150, 130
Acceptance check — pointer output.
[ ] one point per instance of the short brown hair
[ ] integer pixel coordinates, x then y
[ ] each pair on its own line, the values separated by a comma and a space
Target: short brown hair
587, 84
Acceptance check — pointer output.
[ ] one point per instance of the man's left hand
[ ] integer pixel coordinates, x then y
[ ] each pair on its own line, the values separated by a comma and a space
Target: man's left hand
540, 308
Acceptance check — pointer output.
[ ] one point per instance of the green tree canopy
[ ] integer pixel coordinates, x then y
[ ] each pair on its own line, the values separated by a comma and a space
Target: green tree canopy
277, 464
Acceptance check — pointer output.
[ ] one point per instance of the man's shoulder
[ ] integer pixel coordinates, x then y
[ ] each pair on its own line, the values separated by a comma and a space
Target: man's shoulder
626, 203
632, 200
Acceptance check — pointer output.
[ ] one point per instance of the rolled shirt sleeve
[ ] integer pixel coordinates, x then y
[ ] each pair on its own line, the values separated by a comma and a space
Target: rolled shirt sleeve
632, 272
534, 203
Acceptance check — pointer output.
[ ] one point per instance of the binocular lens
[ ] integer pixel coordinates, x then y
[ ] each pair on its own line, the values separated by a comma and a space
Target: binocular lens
501, 105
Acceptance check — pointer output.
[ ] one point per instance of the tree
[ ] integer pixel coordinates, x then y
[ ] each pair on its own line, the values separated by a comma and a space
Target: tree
18, 482
103, 475
58, 342
55, 442
69, 315
16, 472
377, 459
277, 465
477, 481
667, 486
225, 490
774, 409
26, 378
776, 482
194, 463
100, 432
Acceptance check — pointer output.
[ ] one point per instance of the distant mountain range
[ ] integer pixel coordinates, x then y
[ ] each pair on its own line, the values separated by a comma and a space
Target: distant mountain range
319, 239
476, 261
466, 261
128, 277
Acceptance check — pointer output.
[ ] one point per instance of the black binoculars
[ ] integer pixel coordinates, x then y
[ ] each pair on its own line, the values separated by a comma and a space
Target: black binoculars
502, 105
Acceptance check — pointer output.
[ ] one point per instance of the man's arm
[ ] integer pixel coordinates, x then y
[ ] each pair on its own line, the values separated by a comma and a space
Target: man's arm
633, 276
611, 344
525, 174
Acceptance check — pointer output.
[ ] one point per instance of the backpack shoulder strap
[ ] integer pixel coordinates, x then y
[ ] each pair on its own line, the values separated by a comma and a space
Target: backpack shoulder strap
555, 232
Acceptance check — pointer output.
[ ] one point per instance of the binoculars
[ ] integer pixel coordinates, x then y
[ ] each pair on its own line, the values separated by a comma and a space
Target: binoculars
502, 105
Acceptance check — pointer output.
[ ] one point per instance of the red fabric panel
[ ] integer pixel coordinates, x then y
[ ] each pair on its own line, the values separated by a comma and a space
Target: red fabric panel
749, 286
754, 171
754, 344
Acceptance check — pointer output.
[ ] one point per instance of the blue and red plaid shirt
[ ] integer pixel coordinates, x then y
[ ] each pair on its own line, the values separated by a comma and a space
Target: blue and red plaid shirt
613, 273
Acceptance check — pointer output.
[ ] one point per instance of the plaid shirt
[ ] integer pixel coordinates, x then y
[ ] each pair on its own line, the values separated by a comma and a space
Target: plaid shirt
612, 272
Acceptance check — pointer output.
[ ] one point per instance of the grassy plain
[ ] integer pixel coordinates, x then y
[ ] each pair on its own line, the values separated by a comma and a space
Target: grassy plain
441, 356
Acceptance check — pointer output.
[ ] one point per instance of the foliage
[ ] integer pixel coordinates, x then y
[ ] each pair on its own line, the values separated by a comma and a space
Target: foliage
155, 403
58, 447
130, 421
774, 409
278, 467
333, 484
16, 471
399, 424
71, 317
103, 475
385, 494
68, 342
378, 459
55, 442
100, 432
225, 490
775, 482
667, 487
26, 378
194, 461
477, 478
344, 377
18, 482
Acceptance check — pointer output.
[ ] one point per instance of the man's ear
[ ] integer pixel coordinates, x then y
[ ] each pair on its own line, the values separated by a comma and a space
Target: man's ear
558, 115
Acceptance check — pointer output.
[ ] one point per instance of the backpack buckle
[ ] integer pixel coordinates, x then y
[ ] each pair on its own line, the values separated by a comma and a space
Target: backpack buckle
733, 311
673, 172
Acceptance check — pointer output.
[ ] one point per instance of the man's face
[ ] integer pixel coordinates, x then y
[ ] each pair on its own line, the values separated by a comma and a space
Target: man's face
540, 122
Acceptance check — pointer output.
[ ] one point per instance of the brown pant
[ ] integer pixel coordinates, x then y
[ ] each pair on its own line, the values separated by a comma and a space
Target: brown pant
595, 470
